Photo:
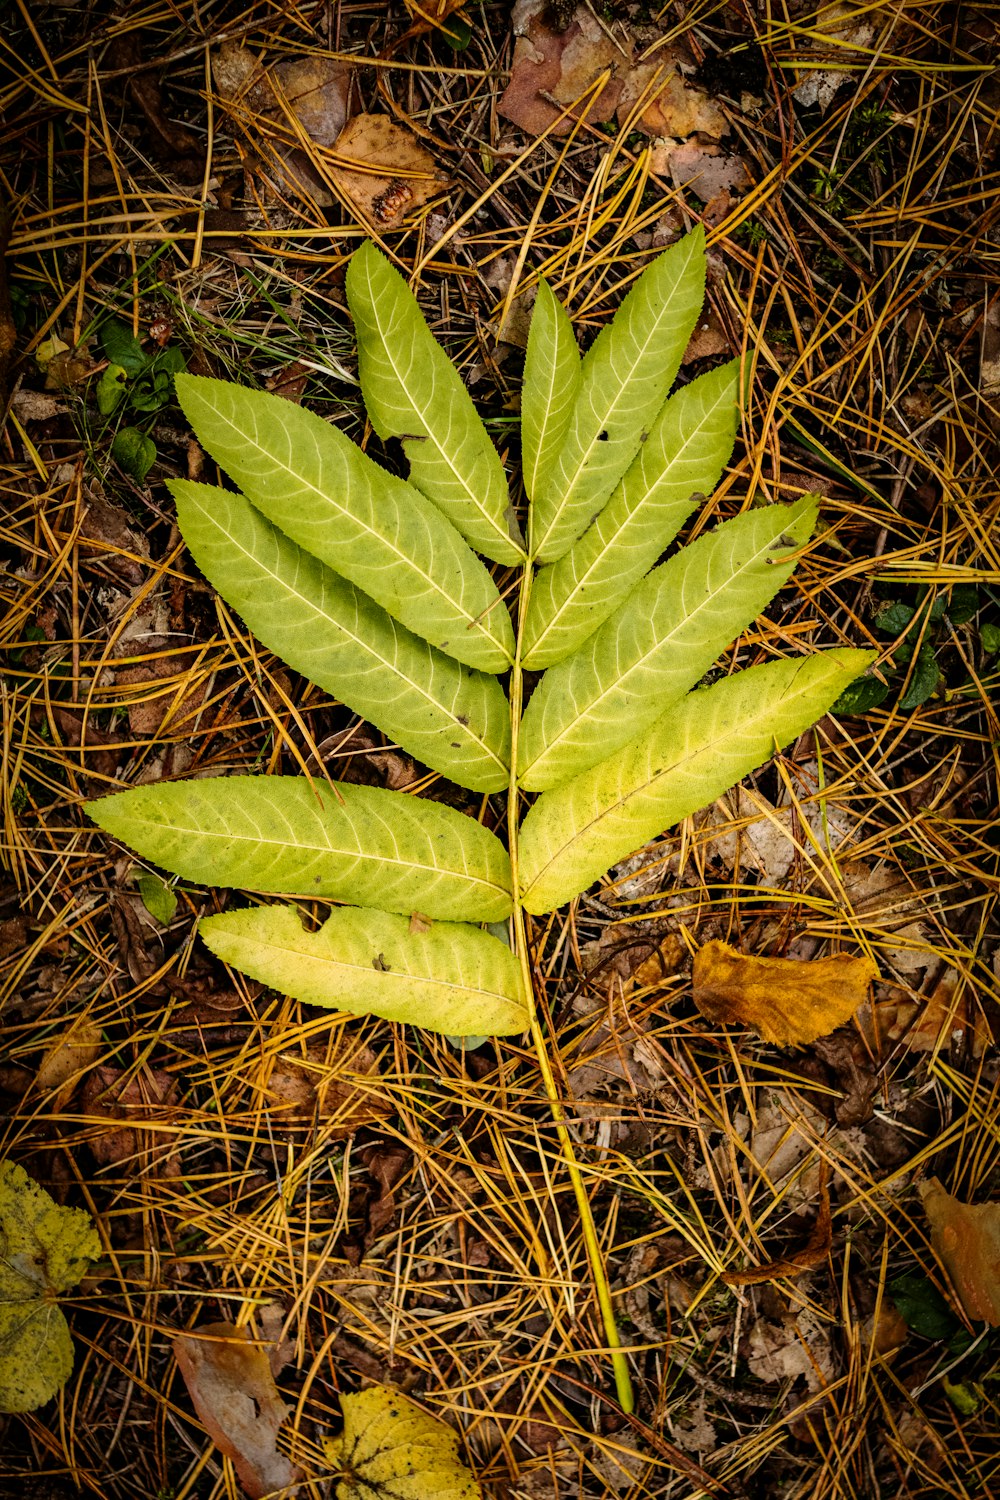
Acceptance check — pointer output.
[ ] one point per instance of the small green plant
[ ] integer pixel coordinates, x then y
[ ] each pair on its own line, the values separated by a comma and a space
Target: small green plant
138, 382
370, 586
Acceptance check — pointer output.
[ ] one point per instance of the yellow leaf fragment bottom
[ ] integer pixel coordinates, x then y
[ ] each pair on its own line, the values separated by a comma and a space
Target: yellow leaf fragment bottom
45, 1249
390, 1449
784, 1000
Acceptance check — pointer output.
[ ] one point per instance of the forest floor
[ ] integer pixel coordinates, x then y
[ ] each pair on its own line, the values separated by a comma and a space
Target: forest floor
396, 1208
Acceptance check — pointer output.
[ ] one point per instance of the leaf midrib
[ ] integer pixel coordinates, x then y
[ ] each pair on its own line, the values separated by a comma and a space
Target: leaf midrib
398, 553
724, 586
617, 541
366, 969
609, 410
462, 729
430, 436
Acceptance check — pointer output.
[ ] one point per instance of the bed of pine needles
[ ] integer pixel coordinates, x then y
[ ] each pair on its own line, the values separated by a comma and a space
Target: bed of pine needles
404, 1204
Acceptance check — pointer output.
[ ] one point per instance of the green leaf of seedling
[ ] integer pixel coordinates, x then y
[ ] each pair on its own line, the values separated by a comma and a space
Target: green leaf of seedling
922, 1307
989, 635
457, 32
134, 452
448, 977
44, 1250
170, 361
157, 897
864, 694
924, 678
111, 389
964, 1397
151, 391
964, 604
121, 347
893, 618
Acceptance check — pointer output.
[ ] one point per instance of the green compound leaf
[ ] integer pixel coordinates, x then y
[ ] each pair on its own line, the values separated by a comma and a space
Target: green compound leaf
698, 749
455, 720
552, 372
683, 459
627, 374
321, 490
659, 643
44, 1250
390, 1449
294, 837
450, 977
413, 392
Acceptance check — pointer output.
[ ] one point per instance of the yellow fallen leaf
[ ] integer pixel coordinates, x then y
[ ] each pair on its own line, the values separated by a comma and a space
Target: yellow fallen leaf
966, 1237
784, 1000
44, 1250
390, 1449
395, 173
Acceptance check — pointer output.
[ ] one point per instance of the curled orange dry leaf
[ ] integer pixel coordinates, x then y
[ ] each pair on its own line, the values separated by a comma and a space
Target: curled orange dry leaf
966, 1237
784, 1000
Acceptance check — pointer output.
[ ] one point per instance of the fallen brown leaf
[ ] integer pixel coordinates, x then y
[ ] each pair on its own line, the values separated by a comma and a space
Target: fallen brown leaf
129, 1104
701, 165
230, 1383
66, 1059
966, 1238
313, 89
563, 65
709, 338
339, 1091
387, 1164
395, 172
670, 106
784, 1000
812, 1254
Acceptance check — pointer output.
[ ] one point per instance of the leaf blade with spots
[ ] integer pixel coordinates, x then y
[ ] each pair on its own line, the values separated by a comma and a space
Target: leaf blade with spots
391, 1449
299, 838
450, 977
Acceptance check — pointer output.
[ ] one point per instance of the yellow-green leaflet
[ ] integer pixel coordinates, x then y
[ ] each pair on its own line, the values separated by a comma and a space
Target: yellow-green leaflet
304, 838
682, 460
453, 719
699, 748
390, 1449
413, 392
44, 1249
321, 490
449, 977
659, 643
627, 374
552, 371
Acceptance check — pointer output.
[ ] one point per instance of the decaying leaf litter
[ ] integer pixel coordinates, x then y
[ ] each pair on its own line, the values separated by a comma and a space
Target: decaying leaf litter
438, 1250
